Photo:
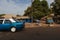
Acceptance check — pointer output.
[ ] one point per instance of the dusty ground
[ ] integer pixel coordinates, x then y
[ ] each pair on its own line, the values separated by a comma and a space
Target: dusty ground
33, 25
38, 33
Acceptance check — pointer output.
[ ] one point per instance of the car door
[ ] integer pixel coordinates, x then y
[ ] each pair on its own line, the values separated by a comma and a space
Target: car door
7, 24
1, 24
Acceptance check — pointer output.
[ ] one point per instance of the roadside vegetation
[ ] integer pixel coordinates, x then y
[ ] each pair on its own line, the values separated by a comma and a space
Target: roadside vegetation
56, 10
2, 15
38, 9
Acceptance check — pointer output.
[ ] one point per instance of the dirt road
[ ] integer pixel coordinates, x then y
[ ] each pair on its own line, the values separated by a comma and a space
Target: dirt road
32, 34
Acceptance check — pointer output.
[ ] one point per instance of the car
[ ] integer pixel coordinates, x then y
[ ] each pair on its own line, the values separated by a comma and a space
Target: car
11, 24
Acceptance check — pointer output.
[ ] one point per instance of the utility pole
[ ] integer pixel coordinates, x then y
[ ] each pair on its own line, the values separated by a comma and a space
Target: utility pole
32, 11
31, 15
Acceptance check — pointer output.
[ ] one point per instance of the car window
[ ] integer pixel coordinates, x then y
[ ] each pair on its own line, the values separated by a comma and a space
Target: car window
7, 22
1, 21
16, 20
20, 20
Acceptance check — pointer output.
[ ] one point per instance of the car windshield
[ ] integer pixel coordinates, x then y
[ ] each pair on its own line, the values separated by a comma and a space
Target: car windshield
16, 20
12, 20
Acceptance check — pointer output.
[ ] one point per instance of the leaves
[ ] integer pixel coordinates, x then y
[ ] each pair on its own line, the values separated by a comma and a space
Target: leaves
38, 9
56, 7
2, 15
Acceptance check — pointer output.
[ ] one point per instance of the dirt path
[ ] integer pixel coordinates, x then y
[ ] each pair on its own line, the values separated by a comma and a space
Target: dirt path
32, 34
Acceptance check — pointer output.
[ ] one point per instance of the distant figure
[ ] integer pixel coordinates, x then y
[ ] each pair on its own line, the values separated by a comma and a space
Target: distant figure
38, 22
50, 20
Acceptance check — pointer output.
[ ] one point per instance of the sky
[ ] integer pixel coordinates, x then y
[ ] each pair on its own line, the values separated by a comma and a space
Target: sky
15, 6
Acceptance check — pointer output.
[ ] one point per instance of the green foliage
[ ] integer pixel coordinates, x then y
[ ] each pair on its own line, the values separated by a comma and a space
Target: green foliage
45, 6
2, 15
28, 11
56, 7
18, 15
38, 9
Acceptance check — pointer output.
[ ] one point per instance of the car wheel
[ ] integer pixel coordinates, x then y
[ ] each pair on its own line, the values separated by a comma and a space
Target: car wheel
13, 29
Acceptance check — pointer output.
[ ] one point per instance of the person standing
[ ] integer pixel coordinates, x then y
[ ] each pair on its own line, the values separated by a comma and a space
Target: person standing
50, 21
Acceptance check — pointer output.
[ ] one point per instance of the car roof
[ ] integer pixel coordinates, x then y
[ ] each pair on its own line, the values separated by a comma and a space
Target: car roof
9, 19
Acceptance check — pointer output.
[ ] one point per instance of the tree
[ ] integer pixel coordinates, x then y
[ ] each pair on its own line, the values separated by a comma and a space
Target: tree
2, 15
45, 8
38, 9
18, 15
56, 10
28, 11
57, 7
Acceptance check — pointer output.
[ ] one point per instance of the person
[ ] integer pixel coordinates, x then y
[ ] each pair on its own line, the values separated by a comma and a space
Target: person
38, 22
50, 21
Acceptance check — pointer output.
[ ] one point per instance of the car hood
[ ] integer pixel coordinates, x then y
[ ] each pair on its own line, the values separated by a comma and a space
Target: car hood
20, 23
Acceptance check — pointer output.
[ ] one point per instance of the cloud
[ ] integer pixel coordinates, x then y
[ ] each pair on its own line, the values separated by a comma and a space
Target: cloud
10, 6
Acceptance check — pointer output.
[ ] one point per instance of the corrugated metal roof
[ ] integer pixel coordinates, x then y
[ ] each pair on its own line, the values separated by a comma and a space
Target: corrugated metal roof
23, 17
9, 16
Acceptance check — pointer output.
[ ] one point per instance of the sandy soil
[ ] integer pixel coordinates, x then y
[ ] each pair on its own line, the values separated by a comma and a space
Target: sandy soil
34, 25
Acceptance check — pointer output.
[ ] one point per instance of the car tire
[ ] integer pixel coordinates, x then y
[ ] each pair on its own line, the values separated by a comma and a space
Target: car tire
13, 29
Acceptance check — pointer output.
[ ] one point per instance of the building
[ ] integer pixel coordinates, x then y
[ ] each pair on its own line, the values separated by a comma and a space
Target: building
8, 16
24, 18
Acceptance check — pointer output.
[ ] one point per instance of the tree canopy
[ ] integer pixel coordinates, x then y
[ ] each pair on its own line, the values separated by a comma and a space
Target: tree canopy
56, 7
38, 9
2, 15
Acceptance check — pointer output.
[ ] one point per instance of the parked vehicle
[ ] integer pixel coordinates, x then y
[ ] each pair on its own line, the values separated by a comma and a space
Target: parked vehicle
11, 24
25, 20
